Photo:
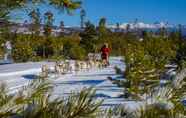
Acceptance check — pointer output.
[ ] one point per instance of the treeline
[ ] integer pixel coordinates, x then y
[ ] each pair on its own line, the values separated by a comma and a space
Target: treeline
35, 47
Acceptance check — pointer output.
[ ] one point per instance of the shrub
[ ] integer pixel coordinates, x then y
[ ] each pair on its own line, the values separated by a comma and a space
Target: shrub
145, 62
89, 38
181, 55
55, 58
56, 46
22, 51
35, 101
68, 43
77, 52
1, 53
22, 54
1, 46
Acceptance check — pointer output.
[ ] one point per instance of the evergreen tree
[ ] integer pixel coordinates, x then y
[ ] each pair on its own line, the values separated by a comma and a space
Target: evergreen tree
62, 26
89, 37
163, 32
82, 15
48, 23
117, 27
35, 16
128, 28
6, 6
180, 32
102, 30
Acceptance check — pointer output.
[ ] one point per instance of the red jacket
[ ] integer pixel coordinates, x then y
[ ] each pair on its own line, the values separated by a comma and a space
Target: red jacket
105, 51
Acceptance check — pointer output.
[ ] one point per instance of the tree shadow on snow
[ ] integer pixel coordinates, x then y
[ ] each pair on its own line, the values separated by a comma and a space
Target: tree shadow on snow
101, 95
30, 77
93, 75
84, 82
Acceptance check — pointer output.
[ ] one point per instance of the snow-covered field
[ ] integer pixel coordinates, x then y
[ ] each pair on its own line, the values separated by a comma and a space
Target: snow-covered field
18, 75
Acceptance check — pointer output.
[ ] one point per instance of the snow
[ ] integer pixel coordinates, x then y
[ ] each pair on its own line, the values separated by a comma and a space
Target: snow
18, 75
142, 25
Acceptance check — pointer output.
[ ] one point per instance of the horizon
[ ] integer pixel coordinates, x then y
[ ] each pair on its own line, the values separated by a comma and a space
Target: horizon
146, 11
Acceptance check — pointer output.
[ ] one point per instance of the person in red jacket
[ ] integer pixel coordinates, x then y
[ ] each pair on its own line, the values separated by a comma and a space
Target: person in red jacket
105, 51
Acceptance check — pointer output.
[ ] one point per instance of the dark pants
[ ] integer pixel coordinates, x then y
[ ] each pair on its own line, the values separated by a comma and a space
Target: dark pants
105, 59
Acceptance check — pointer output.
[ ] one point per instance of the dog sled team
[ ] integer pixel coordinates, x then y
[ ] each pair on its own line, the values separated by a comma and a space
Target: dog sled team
94, 60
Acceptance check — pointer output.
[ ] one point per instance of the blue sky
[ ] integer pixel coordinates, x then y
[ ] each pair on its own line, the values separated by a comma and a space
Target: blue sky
148, 11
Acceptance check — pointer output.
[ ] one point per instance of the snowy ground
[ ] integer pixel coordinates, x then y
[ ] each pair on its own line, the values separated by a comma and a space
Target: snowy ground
18, 75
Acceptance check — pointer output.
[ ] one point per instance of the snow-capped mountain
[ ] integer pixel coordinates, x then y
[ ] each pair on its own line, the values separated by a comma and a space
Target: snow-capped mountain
142, 25
152, 27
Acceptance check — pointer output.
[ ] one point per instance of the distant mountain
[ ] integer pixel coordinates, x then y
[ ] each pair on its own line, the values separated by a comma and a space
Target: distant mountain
153, 27
25, 28
142, 25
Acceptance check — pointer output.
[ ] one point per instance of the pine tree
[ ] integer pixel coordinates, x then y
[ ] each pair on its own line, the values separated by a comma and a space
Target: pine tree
89, 37
82, 16
62, 26
48, 23
102, 29
6, 6
35, 16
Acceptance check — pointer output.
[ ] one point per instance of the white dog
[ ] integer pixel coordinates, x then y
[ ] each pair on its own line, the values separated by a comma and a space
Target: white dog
44, 71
